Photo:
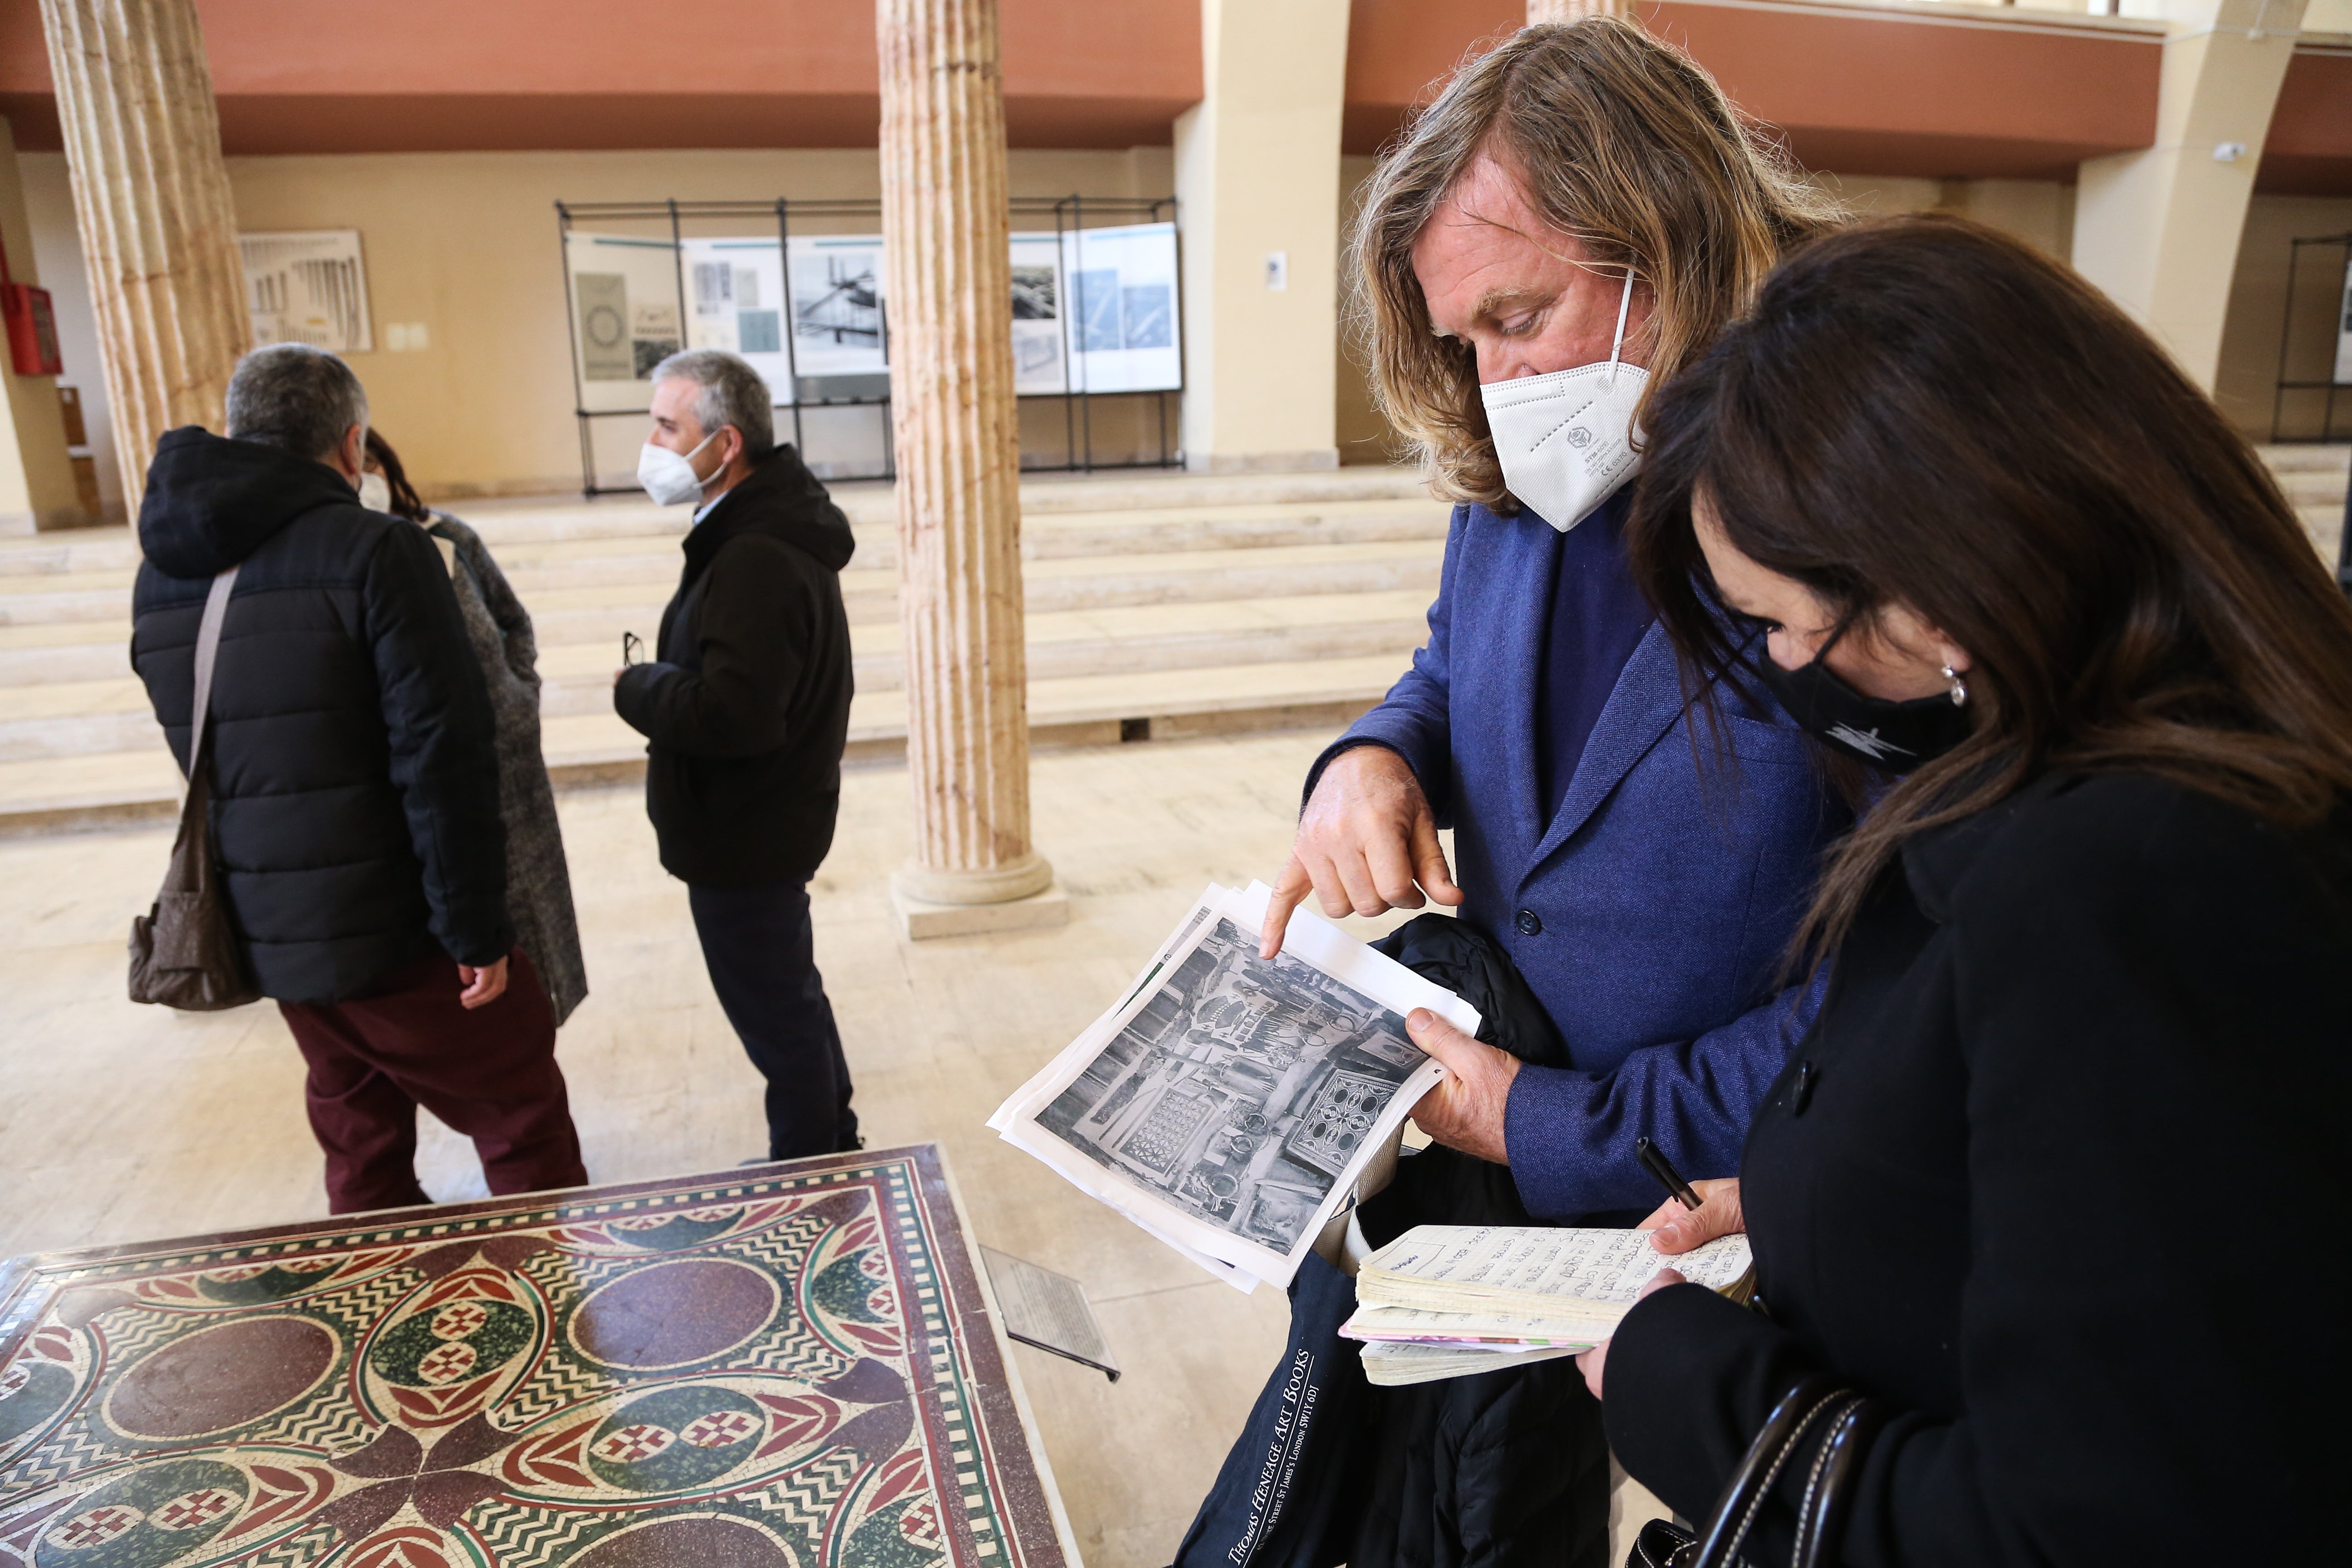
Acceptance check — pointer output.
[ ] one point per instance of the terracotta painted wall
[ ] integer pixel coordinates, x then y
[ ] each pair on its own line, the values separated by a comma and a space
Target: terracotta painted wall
1869, 91
2309, 152
293, 76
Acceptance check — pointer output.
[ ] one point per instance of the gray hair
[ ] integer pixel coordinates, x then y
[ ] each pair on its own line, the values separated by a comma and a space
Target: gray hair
294, 397
732, 394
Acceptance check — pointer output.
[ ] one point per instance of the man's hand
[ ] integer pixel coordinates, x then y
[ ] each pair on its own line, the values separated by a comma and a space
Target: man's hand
1677, 1229
1367, 844
1466, 1110
482, 986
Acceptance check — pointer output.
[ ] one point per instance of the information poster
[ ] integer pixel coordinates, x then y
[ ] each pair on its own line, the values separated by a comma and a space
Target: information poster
735, 289
1093, 310
625, 296
836, 306
1124, 332
308, 288
1037, 326
2344, 333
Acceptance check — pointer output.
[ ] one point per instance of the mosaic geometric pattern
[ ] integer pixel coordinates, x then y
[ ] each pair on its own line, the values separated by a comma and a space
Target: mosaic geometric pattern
789, 1366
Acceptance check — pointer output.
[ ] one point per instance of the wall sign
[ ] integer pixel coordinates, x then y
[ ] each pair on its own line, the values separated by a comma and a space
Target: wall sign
308, 288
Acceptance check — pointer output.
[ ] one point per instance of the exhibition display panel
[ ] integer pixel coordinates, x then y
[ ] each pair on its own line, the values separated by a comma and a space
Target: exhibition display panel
799, 289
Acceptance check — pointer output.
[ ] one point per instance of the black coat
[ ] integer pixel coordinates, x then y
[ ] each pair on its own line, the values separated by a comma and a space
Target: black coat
355, 798
1500, 1469
747, 709
2054, 1177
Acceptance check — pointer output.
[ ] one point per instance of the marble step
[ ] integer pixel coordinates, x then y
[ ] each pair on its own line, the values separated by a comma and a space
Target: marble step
518, 519
36, 629
42, 793
538, 565
99, 588
61, 719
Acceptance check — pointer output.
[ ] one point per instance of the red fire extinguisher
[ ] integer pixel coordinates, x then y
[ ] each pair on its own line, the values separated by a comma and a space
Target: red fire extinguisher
32, 325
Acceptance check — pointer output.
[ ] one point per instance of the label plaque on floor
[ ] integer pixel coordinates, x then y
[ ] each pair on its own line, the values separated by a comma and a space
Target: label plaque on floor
1048, 1310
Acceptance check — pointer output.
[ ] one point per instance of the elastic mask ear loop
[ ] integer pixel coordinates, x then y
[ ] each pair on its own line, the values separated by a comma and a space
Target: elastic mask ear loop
1624, 303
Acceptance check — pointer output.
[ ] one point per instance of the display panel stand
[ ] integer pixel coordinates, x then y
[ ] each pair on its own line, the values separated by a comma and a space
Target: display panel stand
2336, 349
1072, 216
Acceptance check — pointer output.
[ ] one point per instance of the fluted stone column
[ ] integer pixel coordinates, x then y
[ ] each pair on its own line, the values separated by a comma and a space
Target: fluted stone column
945, 226
151, 200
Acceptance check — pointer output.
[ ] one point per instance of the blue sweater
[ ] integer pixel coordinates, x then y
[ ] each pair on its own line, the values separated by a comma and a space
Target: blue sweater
1648, 907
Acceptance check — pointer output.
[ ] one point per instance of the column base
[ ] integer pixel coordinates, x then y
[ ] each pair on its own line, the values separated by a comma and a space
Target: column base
920, 917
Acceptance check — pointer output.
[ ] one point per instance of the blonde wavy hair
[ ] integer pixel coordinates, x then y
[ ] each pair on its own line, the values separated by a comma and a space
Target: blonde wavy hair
1619, 140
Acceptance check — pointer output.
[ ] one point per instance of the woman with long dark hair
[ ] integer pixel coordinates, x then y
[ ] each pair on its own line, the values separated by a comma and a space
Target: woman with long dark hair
2049, 1179
538, 879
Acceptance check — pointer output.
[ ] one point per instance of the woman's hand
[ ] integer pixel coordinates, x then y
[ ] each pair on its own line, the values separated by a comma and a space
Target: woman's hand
1367, 844
1674, 1228
1591, 1362
1466, 1110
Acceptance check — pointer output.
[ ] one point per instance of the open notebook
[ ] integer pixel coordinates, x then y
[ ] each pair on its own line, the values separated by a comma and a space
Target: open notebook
1445, 1300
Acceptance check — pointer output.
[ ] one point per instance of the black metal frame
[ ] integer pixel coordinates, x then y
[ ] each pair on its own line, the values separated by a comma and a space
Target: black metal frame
2286, 344
1069, 214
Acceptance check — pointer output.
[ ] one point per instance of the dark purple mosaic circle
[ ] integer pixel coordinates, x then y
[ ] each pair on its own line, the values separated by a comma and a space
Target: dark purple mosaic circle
220, 1378
710, 1543
674, 1314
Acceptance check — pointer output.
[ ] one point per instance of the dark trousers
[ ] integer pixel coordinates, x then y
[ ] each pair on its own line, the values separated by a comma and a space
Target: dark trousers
762, 960
490, 1073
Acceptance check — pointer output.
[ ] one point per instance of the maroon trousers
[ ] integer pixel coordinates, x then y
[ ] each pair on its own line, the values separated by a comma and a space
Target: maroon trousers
490, 1073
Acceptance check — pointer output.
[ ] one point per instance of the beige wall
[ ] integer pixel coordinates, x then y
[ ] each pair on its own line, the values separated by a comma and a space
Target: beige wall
465, 243
37, 483
1258, 166
2039, 211
2160, 229
1364, 437
2251, 335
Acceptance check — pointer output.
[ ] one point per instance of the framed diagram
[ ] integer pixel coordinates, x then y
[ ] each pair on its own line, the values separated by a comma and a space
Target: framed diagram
308, 287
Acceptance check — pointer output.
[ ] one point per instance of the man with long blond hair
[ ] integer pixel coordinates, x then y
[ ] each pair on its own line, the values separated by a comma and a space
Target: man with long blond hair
1577, 214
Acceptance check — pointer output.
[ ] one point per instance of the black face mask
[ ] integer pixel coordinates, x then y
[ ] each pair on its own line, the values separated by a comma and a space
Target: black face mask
1894, 737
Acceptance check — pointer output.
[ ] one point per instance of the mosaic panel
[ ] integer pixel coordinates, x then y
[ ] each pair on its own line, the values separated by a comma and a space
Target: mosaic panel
786, 1366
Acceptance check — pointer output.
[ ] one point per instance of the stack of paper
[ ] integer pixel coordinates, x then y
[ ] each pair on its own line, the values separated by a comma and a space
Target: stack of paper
1449, 1300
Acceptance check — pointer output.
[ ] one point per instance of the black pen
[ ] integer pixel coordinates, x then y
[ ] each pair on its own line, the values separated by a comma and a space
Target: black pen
1658, 1166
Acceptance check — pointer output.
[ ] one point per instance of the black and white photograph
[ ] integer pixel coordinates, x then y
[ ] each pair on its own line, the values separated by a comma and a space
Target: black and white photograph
837, 308
1241, 1089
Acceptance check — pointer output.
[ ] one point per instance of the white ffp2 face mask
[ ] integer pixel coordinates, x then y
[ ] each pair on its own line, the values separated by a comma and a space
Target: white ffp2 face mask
376, 492
1566, 441
668, 477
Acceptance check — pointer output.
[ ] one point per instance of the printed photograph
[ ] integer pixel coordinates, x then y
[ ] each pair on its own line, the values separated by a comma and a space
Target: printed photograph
1239, 1092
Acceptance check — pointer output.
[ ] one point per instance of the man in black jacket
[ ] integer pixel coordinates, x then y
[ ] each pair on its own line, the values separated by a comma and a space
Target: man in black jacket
355, 795
746, 711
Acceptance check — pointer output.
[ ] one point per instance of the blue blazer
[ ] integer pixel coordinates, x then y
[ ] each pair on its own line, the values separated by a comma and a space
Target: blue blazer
1649, 913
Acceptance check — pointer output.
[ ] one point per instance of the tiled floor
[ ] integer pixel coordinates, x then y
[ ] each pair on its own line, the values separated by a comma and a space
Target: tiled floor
122, 1123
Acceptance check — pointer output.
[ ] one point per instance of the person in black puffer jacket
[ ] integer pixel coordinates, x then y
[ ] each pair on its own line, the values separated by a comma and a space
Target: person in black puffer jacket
355, 795
746, 711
